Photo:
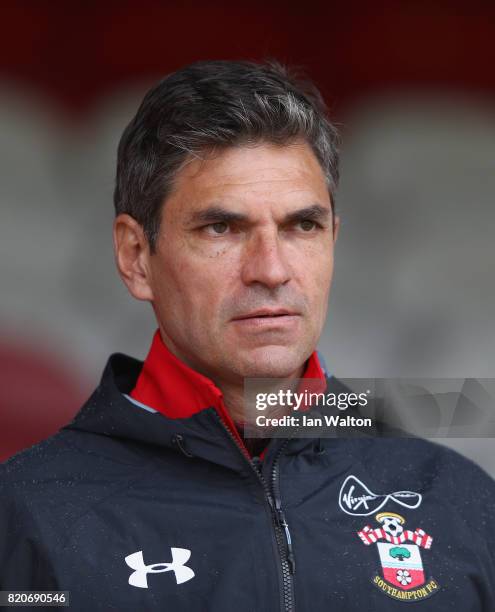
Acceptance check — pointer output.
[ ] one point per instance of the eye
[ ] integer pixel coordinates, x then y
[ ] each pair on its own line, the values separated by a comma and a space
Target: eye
221, 227
307, 225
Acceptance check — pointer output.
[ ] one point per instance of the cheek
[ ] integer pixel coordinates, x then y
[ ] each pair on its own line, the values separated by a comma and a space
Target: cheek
315, 269
319, 270
212, 264
195, 279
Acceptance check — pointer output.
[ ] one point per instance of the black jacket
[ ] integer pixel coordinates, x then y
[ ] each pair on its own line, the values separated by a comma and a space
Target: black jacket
131, 511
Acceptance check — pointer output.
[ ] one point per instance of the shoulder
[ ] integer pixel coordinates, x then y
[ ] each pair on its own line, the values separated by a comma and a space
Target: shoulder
389, 450
431, 461
440, 473
51, 484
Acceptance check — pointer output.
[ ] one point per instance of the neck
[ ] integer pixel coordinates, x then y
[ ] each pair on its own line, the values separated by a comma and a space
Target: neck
233, 396
169, 384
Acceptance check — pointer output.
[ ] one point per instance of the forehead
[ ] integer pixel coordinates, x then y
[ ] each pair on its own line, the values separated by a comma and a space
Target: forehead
244, 174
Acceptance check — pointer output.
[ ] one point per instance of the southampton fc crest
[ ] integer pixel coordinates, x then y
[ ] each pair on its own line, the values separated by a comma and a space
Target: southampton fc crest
403, 574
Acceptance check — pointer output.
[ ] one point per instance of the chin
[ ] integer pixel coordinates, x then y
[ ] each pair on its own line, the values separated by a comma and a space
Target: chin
272, 362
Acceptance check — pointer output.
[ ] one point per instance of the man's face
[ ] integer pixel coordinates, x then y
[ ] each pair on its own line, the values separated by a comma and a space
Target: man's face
241, 274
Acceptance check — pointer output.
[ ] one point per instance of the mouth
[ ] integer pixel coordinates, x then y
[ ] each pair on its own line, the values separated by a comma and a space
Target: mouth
268, 320
266, 313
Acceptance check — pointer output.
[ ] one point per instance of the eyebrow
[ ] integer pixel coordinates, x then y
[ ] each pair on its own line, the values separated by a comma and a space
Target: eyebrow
316, 212
218, 214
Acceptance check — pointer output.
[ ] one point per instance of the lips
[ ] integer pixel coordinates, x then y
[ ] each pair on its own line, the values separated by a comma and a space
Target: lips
266, 313
268, 321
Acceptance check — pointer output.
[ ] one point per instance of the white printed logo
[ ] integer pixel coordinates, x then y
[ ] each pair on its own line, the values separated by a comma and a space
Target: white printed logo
139, 578
356, 499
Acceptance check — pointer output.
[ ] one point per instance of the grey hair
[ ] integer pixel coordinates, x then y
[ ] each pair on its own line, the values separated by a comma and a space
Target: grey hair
207, 107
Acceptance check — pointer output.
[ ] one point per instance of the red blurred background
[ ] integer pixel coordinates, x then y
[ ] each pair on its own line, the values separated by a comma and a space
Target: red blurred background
77, 52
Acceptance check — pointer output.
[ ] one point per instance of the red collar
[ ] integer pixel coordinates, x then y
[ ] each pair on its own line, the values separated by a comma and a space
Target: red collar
177, 391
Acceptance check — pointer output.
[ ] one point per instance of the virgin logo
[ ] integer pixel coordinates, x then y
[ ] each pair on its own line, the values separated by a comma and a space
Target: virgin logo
355, 498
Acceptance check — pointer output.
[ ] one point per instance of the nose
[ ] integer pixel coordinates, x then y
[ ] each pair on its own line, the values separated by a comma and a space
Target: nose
265, 261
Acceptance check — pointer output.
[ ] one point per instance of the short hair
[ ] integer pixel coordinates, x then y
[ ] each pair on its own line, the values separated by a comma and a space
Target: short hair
208, 106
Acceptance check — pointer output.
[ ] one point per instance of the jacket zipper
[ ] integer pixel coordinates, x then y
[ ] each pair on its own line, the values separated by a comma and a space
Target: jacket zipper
279, 522
282, 529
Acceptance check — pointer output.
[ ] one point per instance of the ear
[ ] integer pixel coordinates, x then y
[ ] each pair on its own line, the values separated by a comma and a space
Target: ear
336, 227
132, 256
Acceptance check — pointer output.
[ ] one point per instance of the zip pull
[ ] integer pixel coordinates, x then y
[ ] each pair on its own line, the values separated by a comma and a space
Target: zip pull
178, 440
257, 464
290, 552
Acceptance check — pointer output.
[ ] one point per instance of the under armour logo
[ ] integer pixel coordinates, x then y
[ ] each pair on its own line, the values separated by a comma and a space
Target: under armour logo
355, 498
139, 578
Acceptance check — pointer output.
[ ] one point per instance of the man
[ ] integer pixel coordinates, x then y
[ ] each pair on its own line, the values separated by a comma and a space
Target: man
153, 498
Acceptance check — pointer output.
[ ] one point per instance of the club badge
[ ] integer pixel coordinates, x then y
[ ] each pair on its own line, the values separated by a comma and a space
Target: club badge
403, 575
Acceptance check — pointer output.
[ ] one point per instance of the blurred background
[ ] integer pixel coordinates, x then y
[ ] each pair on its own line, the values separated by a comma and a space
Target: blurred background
412, 86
